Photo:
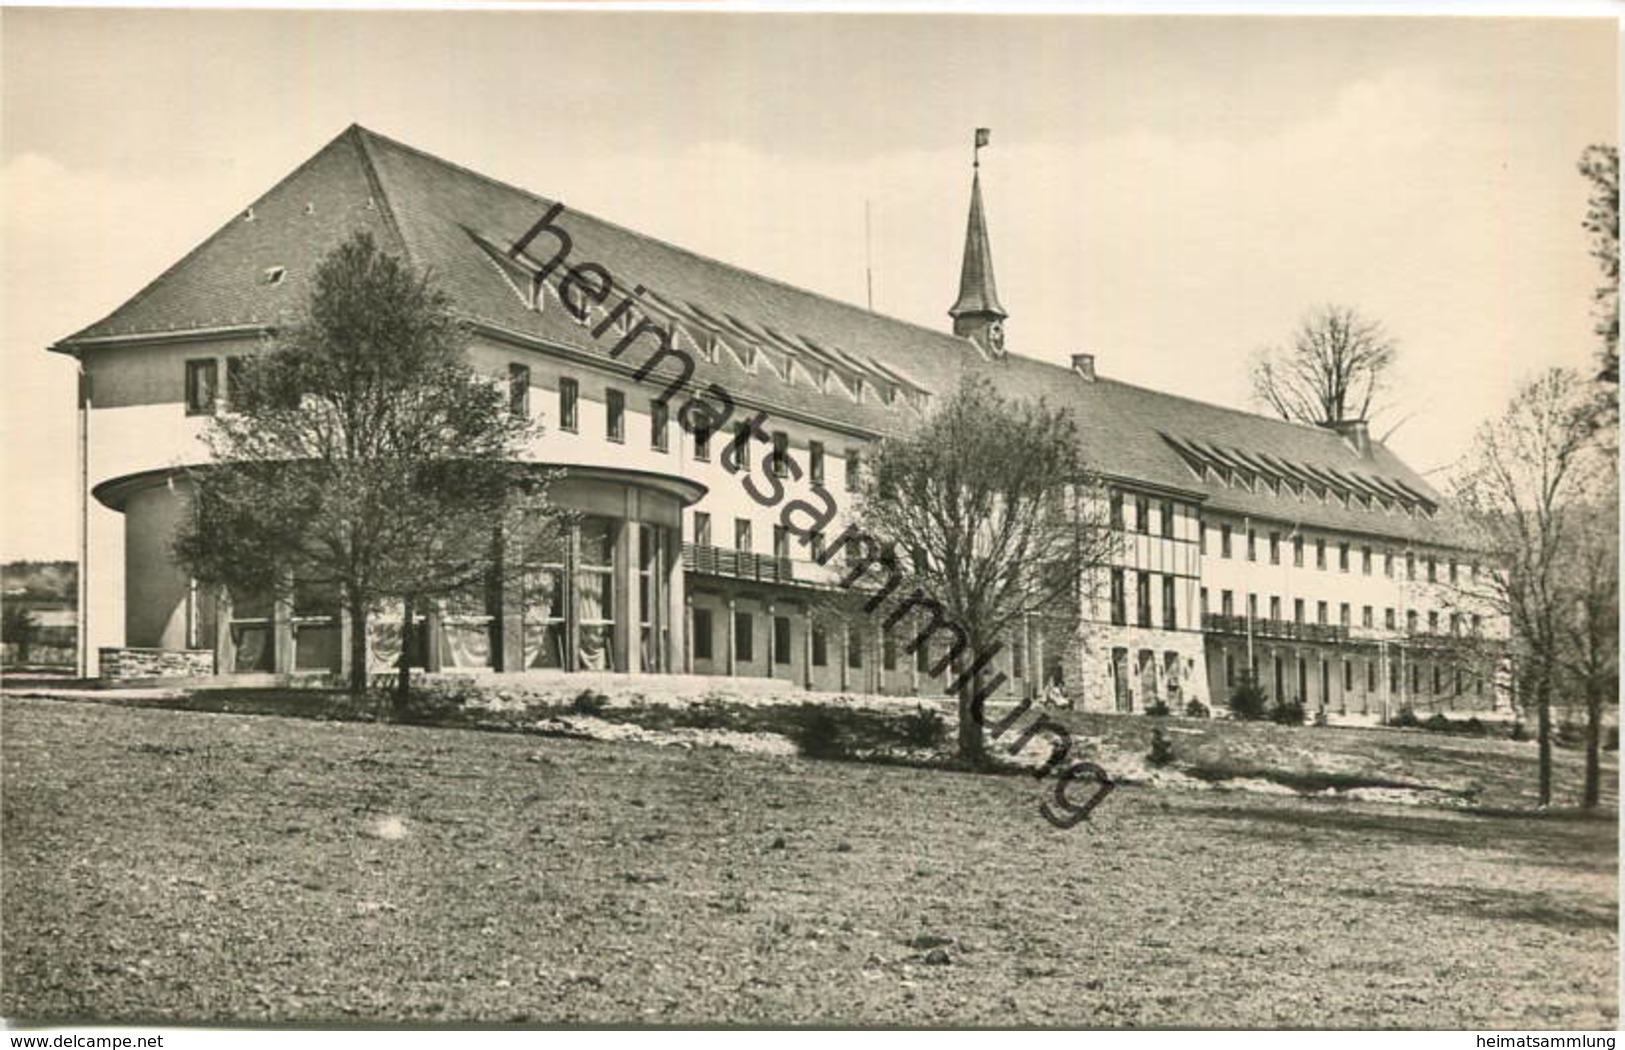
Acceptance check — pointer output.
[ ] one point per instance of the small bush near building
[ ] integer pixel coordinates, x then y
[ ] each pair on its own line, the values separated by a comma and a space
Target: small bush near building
817, 733
588, 702
1157, 710
924, 728
1162, 748
1287, 713
1248, 702
1196, 709
1405, 719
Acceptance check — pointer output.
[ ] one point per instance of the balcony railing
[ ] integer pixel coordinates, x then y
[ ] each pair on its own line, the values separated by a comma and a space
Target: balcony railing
1287, 629
745, 565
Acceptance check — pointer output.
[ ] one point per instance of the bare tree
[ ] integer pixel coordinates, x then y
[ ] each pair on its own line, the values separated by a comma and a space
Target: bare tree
363, 454
1334, 368
1520, 486
1589, 584
987, 518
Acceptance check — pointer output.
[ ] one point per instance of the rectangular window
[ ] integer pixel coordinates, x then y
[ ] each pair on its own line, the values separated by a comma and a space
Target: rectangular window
614, 415
737, 454
1320, 554
781, 640
1275, 607
1167, 519
1170, 615
1116, 503
1143, 599
1224, 541
1342, 557
1453, 578
854, 647
1388, 620
569, 405
781, 454
1297, 610
1227, 603
1410, 621
659, 426
1201, 538
1275, 548
1018, 658
1371, 676
702, 528
815, 462
519, 391
1478, 624
1297, 551
1252, 606
1348, 676
702, 634
1433, 621
1142, 515
781, 543
1433, 569
202, 379
1119, 599
1202, 595
702, 441
1345, 615
888, 652
1366, 616
1388, 564
820, 647
854, 469
744, 637
1252, 545
1410, 566
1229, 669
741, 534
1365, 560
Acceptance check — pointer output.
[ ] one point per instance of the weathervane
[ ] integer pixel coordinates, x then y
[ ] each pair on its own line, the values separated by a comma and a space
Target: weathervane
976, 153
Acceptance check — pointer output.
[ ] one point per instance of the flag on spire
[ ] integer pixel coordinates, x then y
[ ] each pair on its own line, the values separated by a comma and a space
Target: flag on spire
981, 137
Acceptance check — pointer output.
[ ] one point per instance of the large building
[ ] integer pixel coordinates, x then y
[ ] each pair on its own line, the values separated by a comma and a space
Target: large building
1311, 556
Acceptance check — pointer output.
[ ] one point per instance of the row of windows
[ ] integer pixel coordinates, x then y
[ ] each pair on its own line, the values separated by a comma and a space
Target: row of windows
1453, 568
744, 628
1227, 601
1142, 599
1454, 678
1142, 514
660, 428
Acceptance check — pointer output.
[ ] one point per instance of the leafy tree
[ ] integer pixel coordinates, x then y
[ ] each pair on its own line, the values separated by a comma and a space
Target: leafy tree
1335, 367
1523, 486
987, 518
361, 451
1600, 164
20, 627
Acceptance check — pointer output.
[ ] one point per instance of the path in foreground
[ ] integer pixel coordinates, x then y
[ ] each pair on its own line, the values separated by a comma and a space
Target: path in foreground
172, 866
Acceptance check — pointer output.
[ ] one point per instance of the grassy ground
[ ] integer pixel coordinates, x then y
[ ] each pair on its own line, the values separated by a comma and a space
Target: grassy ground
164, 865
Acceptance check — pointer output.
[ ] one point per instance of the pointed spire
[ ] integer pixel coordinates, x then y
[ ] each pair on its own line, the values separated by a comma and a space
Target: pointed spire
978, 293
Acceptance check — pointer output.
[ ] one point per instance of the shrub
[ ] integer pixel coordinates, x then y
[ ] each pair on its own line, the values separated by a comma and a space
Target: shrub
1287, 713
1157, 710
924, 728
1518, 732
1437, 723
588, 702
1196, 709
1405, 719
1162, 748
1248, 702
818, 733
1322, 717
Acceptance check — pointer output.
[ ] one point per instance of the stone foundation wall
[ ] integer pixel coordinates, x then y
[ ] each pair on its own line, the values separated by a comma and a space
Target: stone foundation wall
156, 663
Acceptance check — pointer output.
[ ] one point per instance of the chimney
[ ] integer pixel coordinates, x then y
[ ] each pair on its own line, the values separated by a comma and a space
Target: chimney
1084, 366
1357, 432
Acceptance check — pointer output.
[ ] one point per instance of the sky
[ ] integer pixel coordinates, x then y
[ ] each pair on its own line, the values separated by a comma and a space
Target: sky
1168, 193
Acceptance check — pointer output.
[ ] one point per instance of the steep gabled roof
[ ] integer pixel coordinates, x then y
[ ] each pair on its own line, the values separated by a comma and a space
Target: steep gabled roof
460, 226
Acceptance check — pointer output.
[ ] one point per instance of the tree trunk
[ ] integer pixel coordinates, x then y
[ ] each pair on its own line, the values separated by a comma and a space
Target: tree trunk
1543, 709
1593, 783
358, 646
403, 680
972, 750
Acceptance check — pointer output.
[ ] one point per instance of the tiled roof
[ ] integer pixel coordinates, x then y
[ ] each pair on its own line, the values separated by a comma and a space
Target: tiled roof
776, 347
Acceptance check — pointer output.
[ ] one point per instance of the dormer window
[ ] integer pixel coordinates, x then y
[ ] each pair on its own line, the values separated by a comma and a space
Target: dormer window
275, 274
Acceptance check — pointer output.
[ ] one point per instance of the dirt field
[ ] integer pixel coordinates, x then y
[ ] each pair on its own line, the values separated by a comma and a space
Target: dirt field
163, 865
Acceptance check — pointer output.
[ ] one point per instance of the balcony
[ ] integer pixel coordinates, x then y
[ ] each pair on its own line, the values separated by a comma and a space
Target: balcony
744, 565
1283, 629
